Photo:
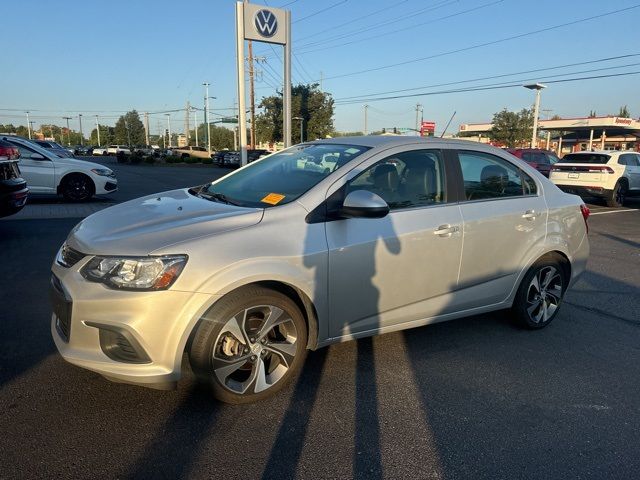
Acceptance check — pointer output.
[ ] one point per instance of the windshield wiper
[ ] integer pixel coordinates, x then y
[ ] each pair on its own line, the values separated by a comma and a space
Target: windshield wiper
220, 197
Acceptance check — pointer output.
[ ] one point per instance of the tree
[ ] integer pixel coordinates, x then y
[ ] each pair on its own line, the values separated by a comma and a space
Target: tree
221, 137
512, 128
624, 112
308, 102
592, 114
107, 135
129, 130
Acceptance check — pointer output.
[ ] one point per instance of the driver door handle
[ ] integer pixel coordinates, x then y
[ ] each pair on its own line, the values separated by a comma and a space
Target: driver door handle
446, 230
530, 215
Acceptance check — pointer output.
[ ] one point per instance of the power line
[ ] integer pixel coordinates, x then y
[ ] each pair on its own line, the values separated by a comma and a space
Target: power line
492, 77
436, 6
487, 87
320, 11
484, 44
396, 30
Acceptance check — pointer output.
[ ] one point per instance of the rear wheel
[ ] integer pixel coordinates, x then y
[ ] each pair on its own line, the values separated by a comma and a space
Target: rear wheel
249, 345
540, 294
77, 188
615, 198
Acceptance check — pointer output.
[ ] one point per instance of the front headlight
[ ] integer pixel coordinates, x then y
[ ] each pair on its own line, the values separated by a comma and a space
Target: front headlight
135, 273
103, 172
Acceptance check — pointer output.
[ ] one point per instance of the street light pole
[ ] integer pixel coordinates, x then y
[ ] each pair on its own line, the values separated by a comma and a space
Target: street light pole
28, 125
98, 129
206, 113
169, 127
195, 122
366, 107
537, 87
301, 126
81, 135
209, 124
68, 130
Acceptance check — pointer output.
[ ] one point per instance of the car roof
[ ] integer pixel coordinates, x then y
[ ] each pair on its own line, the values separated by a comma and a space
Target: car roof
374, 141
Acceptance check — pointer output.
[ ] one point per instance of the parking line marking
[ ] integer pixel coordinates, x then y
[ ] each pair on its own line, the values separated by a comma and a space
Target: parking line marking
615, 211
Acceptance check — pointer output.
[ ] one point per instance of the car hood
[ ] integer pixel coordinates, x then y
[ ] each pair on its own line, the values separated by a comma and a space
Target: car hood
81, 164
141, 226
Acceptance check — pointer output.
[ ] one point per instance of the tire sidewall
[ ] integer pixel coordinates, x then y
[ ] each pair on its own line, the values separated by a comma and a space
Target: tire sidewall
208, 330
65, 187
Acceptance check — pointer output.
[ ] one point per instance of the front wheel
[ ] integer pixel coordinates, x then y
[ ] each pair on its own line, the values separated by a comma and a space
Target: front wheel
615, 197
77, 188
540, 294
249, 345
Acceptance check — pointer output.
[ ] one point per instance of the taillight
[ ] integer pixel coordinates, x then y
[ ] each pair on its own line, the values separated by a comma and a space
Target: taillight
12, 153
585, 214
600, 169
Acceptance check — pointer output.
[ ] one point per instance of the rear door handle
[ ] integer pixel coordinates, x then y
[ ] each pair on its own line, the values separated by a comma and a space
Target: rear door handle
530, 215
446, 230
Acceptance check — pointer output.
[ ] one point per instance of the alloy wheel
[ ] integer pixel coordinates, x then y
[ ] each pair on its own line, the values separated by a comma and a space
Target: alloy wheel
544, 294
255, 349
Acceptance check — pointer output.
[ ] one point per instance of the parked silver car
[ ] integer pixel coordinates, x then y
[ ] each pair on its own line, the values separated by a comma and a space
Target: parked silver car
323, 242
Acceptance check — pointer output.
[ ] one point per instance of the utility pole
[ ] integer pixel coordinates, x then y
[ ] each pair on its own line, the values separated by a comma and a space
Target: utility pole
366, 107
321, 78
418, 107
252, 100
68, 130
206, 114
146, 128
169, 127
28, 125
187, 111
98, 129
31, 122
81, 135
537, 87
195, 122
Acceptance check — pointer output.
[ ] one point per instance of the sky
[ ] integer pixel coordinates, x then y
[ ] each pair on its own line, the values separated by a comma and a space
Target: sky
106, 58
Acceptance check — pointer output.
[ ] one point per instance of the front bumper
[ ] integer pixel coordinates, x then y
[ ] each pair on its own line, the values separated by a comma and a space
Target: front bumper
157, 324
105, 185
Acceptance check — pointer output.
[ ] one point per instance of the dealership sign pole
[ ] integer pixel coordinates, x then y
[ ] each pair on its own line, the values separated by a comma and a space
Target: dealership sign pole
268, 25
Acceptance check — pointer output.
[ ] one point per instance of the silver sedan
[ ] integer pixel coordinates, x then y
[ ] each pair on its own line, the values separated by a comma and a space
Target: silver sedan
324, 242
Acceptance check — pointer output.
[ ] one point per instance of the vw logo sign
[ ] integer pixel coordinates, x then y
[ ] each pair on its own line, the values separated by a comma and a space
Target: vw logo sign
266, 23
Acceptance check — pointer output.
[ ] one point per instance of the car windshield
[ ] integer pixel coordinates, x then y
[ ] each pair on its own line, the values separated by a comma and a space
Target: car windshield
282, 177
586, 158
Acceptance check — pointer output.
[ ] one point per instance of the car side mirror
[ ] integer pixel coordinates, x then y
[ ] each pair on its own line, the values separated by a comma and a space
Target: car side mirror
363, 204
37, 156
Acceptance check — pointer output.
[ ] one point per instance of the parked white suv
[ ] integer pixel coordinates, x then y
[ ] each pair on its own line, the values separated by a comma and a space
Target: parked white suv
115, 149
74, 179
611, 175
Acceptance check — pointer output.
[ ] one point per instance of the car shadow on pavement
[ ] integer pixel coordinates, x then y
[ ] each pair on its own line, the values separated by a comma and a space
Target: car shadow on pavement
616, 238
287, 447
177, 444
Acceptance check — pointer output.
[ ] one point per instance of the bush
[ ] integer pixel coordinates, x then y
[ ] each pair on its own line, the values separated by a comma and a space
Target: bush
150, 160
136, 157
121, 157
191, 160
207, 161
173, 159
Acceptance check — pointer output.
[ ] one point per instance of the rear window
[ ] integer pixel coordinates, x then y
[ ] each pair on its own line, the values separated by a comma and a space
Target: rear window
586, 158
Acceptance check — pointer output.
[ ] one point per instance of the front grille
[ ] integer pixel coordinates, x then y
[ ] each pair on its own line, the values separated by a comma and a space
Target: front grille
69, 257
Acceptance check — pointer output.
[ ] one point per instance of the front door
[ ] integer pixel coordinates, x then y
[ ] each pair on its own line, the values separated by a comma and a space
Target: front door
403, 267
39, 172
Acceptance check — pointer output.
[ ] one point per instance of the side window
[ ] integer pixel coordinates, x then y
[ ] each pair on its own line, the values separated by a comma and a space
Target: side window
637, 164
407, 180
552, 158
487, 176
25, 153
623, 160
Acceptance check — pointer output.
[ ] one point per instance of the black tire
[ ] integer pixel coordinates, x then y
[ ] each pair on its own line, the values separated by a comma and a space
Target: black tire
77, 187
536, 309
616, 197
232, 366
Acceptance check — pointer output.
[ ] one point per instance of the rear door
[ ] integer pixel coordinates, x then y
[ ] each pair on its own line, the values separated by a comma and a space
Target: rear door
505, 216
632, 169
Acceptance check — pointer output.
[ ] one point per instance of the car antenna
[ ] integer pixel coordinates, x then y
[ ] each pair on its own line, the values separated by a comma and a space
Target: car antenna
449, 123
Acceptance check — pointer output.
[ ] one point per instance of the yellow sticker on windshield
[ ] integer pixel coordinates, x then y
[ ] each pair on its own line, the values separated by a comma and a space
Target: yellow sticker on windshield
272, 198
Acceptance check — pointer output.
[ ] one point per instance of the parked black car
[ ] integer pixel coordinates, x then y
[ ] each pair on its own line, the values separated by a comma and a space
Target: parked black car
218, 157
13, 188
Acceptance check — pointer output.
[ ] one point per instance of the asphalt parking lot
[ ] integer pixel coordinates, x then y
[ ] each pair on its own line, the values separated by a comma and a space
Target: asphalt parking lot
472, 398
